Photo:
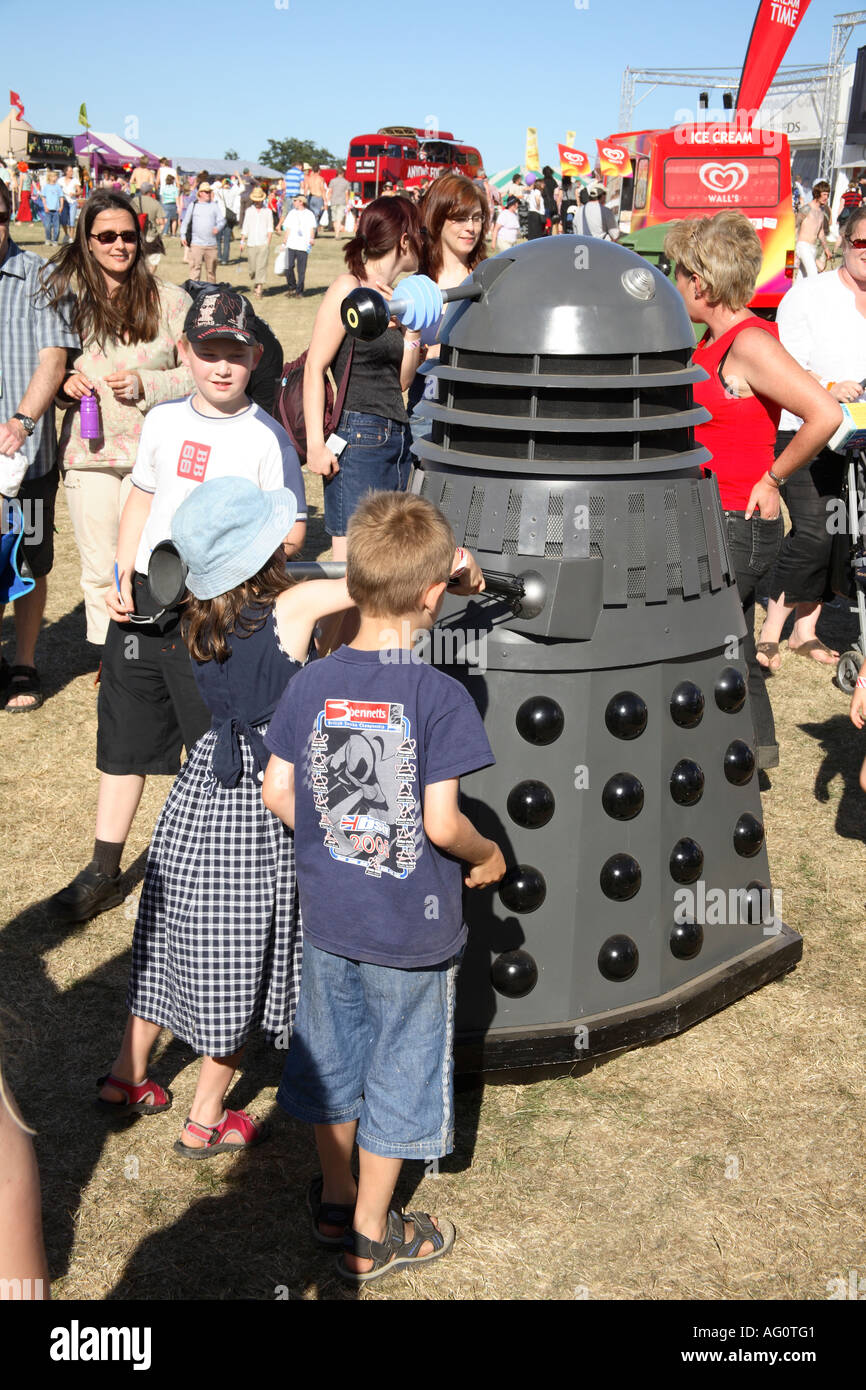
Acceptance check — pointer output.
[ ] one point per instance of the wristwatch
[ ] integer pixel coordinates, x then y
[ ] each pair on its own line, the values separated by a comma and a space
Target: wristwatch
29, 425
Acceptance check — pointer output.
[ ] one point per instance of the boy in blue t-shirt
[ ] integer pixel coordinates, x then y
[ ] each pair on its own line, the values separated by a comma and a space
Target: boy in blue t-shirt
379, 740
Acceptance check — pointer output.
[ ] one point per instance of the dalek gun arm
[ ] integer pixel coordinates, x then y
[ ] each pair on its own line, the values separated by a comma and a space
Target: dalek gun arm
417, 303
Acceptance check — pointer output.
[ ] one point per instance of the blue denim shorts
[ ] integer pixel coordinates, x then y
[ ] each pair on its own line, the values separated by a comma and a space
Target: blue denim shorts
375, 1044
376, 459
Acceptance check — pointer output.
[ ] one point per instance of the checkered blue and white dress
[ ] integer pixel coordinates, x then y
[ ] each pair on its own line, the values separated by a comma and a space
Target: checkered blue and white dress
216, 952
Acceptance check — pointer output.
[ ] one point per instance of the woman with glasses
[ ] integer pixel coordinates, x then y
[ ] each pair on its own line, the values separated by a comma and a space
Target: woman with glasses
822, 323
128, 322
456, 222
750, 380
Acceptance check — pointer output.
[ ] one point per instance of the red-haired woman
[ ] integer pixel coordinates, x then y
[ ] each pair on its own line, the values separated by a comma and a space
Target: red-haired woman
373, 422
456, 218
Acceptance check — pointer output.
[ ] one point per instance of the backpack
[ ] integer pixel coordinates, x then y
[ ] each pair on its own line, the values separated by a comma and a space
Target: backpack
231, 218
289, 402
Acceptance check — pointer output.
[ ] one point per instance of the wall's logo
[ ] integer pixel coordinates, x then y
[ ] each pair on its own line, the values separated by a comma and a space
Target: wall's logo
614, 154
723, 178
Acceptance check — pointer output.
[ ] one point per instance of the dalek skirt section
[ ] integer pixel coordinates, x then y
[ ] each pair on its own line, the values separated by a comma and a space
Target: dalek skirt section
625, 796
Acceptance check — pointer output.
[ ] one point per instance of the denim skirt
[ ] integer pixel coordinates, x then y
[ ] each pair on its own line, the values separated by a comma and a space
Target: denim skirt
376, 459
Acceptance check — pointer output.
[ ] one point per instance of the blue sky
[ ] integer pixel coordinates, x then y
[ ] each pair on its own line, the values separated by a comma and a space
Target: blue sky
202, 78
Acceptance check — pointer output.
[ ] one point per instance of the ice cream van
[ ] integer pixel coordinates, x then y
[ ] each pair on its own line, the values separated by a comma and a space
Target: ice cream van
698, 170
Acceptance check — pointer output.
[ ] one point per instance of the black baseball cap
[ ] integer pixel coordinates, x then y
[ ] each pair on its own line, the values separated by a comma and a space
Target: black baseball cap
221, 314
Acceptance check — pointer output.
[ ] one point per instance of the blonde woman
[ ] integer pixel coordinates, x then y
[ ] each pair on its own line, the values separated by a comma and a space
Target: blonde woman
750, 379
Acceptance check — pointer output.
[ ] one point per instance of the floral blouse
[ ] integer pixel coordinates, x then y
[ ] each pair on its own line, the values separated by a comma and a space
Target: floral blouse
163, 377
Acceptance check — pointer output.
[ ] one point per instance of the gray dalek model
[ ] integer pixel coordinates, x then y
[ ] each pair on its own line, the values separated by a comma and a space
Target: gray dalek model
606, 662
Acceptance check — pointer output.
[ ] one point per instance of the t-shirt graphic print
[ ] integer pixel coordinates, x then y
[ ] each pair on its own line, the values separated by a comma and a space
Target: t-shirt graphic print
363, 775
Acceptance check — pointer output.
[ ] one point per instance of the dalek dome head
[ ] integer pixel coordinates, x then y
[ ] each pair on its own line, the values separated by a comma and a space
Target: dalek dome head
576, 360
569, 296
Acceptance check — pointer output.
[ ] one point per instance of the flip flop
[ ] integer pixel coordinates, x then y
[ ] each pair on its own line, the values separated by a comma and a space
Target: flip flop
807, 649
770, 650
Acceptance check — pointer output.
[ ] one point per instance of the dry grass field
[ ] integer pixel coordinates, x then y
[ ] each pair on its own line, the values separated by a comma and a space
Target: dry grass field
727, 1163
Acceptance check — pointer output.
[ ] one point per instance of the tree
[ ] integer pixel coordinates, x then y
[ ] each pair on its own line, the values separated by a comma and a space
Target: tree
282, 154
231, 154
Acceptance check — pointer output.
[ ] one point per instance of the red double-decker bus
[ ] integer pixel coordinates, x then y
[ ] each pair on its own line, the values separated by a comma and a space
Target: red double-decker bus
408, 154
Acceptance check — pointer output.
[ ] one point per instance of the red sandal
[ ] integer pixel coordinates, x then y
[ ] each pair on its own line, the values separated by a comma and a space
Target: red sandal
253, 1132
135, 1102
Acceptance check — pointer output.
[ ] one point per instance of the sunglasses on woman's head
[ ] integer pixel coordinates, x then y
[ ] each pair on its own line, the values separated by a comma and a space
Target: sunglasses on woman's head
109, 238
4, 218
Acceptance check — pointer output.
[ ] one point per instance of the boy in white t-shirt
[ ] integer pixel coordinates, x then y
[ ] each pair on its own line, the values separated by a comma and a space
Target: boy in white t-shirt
300, 234
149, 705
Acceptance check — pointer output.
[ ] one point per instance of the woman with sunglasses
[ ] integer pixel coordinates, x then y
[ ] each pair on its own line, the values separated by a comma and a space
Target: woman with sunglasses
750, 379
129, 323
455, 225
822, 323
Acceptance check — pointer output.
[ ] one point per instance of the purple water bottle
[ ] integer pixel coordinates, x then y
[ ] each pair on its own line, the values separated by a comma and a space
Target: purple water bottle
89, 416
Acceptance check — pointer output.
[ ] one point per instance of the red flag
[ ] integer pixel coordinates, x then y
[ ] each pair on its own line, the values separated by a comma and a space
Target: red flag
573, 161
15, 100
775, 25
613, 159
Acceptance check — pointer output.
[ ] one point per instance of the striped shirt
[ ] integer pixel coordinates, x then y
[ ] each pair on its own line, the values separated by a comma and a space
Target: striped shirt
294, 184
26, 326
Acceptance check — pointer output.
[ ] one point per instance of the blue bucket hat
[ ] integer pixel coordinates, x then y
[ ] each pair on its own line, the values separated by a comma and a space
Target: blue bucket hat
227, 530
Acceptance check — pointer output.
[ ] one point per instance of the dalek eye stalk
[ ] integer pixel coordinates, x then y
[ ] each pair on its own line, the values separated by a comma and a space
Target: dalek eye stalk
607, 663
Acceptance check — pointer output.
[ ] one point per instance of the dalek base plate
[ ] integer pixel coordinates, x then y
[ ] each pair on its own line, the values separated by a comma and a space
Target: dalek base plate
651, 1020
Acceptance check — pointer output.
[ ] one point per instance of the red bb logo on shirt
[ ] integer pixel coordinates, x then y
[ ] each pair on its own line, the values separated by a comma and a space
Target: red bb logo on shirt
192, 460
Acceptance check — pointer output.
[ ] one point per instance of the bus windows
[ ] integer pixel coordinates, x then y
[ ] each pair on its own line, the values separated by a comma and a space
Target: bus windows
437, 152
472, 158
357, 151
721, 182
641, 181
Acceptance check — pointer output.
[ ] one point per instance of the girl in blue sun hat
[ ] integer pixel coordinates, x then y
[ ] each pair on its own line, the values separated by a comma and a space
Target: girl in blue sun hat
217, 946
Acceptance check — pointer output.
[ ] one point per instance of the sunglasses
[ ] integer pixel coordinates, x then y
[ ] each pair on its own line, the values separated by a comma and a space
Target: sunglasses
4, 218
859, 243
109, 238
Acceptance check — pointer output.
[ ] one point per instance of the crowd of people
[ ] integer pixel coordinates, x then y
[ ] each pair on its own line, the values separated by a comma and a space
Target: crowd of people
296, 803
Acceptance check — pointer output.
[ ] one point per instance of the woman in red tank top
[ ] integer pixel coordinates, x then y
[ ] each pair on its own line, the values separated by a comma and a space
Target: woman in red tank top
750, 379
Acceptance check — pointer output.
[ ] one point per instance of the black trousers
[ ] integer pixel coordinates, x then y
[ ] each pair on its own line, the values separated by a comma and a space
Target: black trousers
801, 571
299, 259
753, 546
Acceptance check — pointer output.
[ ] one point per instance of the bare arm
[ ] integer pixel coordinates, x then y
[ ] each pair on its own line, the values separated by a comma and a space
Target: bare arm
43, 387
300, 608
447, 827
295, 539
22, 1253
769, 370
132, 523
278, 790
328, 334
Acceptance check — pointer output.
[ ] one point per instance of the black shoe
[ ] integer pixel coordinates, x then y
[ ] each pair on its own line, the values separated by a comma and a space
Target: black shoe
89, 893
